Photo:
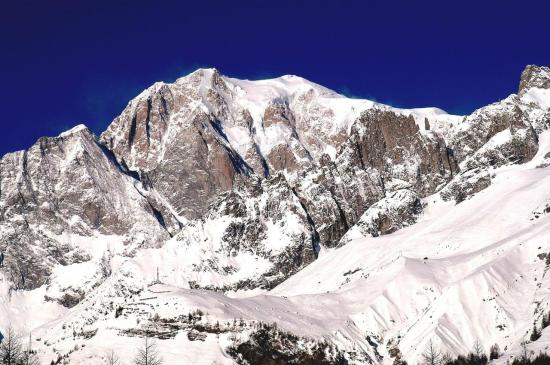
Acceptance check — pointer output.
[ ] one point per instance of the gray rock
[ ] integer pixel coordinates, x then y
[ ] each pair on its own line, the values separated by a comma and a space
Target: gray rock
281, 178
534, 76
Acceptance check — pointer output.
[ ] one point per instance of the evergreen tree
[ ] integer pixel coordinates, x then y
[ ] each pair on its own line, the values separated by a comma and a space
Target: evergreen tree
446, 358
10, 349
541, 359
535, 335
494, 352
471, 359
524, 358
29, 358
476, 357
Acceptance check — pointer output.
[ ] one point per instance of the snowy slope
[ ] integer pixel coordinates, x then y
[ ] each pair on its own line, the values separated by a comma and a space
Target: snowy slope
462, 273
452, 225
453, 277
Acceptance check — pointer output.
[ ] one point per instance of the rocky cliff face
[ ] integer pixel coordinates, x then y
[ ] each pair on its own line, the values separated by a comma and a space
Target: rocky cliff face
400, 208
499, 134
236, 186
64, 186
272, 171
534, 77
393, 145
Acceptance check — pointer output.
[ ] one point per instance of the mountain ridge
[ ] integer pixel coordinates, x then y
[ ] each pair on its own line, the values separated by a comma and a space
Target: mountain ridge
246, 187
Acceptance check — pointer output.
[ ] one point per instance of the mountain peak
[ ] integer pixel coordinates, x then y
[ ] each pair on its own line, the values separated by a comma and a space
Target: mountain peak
534, 76
76, 129
207, 70
202, 72
225, 196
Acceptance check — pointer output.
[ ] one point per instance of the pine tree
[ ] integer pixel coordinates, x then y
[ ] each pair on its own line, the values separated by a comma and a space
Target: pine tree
148, 354
10, 349
105, 264
494, 352
446, 358
535, 335
524, 357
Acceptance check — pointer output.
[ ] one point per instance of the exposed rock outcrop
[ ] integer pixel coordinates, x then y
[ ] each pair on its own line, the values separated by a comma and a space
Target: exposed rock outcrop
268, 172
62, 187
534, 76
399, 209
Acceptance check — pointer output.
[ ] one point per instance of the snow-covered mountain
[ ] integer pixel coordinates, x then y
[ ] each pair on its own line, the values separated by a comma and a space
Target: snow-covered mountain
214, 204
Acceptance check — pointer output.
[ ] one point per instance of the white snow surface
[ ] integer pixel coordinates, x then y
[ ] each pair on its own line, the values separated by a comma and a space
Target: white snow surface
256, 95
462, 273
541, 97
73, 130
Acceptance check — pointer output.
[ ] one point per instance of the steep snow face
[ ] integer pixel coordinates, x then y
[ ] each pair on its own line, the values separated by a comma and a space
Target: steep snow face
321, 116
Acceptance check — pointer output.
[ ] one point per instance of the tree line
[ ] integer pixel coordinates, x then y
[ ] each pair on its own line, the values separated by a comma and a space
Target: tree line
14, 351
433, 356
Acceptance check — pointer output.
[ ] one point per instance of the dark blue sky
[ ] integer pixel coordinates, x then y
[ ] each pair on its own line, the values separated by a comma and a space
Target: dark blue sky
69, 62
